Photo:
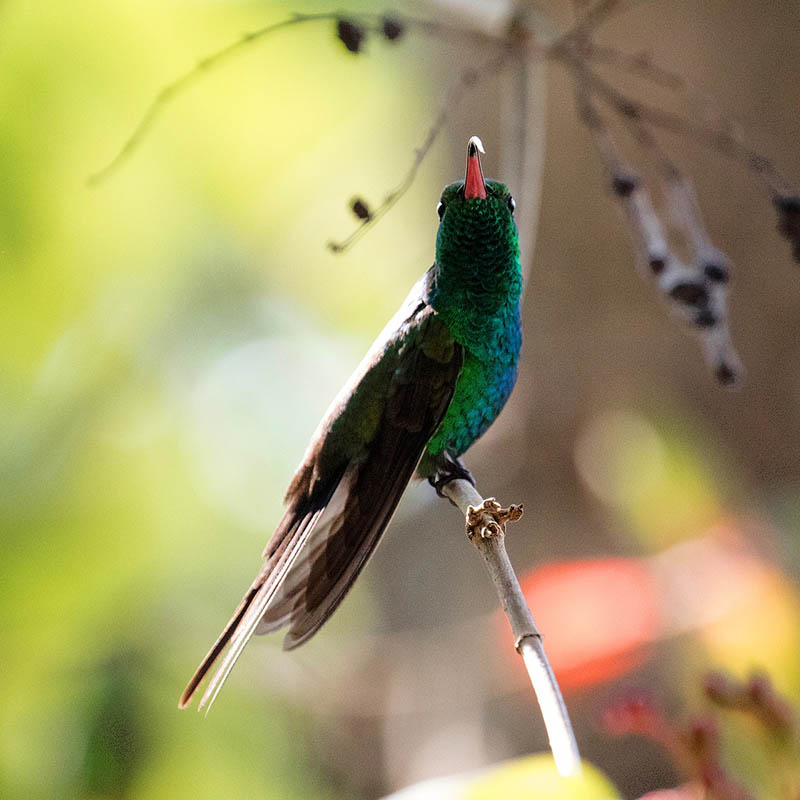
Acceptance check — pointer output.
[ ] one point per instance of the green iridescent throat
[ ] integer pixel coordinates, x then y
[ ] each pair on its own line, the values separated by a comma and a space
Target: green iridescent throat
476, 290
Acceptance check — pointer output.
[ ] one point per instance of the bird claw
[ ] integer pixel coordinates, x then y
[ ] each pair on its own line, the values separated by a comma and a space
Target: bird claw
451, 469
489, 519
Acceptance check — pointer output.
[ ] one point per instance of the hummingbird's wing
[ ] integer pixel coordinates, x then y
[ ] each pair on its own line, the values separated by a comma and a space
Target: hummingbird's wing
343, 495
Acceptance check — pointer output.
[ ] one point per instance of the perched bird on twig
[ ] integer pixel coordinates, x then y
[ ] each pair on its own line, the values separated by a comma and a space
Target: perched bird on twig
431, 384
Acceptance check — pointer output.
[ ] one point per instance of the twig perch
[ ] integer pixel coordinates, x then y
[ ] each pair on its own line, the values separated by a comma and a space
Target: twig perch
486, 523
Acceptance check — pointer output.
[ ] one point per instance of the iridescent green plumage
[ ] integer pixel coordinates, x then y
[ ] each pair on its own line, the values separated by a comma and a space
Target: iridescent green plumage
431, 384
476, 290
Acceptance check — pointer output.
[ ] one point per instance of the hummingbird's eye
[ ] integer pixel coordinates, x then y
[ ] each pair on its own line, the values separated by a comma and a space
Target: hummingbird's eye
440, 209
511, 204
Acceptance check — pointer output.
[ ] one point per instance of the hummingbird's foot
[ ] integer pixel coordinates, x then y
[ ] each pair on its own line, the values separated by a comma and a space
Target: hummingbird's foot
449, 469
489, 519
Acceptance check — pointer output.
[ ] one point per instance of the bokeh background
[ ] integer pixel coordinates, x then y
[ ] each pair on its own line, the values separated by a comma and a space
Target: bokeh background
170, 338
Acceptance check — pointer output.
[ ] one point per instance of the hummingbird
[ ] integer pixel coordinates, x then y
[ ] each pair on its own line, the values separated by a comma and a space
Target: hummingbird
431, 384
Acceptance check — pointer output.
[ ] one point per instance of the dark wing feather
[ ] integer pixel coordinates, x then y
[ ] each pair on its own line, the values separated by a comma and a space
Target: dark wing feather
347, 488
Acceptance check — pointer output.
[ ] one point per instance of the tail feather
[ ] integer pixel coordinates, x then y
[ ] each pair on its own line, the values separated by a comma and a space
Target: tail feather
242, 624
346, 491
218, 646
377, 489
246, 626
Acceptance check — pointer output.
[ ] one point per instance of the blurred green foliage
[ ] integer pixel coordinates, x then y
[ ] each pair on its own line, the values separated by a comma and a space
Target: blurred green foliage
138, 318
169, 339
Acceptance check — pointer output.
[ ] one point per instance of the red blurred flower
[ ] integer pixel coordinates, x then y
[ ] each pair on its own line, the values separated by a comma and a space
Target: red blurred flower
600, 616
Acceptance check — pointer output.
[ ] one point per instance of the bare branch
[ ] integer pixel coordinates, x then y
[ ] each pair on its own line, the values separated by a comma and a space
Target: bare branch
682, 201
523, 146
726, 135
697, 294
375, 23
590, 19
726, 142
485, 521
641, 65
523, 111
178, 86
466, 80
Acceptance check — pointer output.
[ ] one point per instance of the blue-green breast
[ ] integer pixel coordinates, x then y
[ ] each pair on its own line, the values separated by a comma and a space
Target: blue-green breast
476, 289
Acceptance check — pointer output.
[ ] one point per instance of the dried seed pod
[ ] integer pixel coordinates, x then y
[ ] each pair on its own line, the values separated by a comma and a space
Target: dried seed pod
392, 28
690, 293
788, 214
360, 209
725, 374
705, 318
721, 355
789, 221
351, 34
696, 292
623, 185
716, 271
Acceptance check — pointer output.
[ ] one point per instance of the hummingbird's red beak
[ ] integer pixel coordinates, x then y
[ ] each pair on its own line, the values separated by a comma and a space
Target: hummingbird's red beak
473, 183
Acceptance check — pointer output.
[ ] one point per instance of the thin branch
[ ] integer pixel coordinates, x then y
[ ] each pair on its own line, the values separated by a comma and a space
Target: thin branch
589, 20
486, 528
466, 80
371, 22
178, 86
729, 135
641, 65
697, 293
725, 142
524, 140
682, 201
592, 18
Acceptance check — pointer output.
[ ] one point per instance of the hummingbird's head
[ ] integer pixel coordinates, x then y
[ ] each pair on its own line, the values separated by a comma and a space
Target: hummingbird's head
476, 215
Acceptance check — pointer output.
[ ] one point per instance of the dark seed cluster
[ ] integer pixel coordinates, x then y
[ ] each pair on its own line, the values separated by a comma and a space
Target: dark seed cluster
392, 28
696, 293
716, 272
360, 208
725, 374
789, 221
690, 294
623, 184
657, 264
353, 34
